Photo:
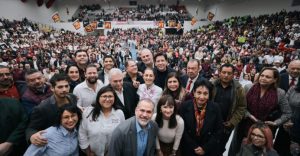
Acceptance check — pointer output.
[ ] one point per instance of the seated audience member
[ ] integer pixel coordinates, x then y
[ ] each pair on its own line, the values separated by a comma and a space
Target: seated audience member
108, 64
37, 90
98, 123
175, 89
136, 135
149, 90
62, 136
203, 123
258, 142
265, 102
170, 125
43, 116
87, 90
126, 98
73, 72
132, 74
13, 120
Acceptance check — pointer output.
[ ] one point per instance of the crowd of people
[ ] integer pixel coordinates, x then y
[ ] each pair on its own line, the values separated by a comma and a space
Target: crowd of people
137, 13
140, 92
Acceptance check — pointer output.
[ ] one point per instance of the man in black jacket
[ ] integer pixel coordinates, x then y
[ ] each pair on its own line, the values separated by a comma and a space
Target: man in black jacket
45, 114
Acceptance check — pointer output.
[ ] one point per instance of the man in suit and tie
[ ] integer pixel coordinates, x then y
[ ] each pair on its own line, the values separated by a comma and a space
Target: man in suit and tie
193, 74
127, 98
136, 136
287, 80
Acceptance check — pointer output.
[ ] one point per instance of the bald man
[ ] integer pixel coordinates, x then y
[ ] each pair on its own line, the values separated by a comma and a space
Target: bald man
147, 60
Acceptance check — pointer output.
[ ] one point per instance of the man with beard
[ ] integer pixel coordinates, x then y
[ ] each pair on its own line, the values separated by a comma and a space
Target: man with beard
37, 90
136, 136
81, 60
87, 90
13, 118
45, 114
7, 88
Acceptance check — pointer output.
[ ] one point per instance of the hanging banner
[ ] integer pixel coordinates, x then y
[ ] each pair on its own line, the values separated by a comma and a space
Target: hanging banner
88, 28
210, 16
94, 24
107, 25
161, 24
55, 17
76, 24
194, 20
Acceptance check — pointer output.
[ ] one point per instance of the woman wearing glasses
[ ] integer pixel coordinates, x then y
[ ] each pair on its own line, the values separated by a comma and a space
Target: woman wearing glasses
259, 142
98, 123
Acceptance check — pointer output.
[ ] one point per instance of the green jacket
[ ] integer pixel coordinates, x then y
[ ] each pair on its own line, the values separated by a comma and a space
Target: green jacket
239, 104
13, 121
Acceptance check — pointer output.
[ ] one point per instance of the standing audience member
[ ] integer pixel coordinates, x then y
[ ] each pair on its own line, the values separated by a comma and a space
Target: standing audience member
135, 136
127, 98
175, 89
8, 89
202, 122
192, 75
37, 90
13, 119
73, 72
265, 102
108, 63
43, 116
98, 123
287, 81
132, 74
87, 90
147, 60
149, 90
230, 96
81, 60
259, 142
170, 125
161, 69
62, 136
293, 127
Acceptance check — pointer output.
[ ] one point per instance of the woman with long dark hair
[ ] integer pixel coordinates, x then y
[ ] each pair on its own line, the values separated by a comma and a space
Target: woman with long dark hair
98, 123
265, 102
174, 88
73, 72
170, 127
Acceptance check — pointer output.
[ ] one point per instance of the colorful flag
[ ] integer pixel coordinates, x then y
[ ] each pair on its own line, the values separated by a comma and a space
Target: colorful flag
194, 20
88, 28
55, 17
76, 24
107, 25
94, 24
161, 24
210, 16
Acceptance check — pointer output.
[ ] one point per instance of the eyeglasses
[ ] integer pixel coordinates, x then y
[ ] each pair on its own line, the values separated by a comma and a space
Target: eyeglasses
6, 74
257, 136
107, 97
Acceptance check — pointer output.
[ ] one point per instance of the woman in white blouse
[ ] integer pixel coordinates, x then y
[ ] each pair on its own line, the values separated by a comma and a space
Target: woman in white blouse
98, 123
170, 125
149, 90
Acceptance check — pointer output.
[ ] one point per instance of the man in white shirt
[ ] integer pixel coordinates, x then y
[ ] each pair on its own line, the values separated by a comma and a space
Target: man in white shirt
86, 91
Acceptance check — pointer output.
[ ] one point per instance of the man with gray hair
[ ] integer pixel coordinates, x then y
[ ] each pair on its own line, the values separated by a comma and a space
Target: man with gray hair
136, 136
127, 98
147, 60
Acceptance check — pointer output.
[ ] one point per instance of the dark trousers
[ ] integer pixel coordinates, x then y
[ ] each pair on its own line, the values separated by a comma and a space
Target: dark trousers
224, 140
282, 142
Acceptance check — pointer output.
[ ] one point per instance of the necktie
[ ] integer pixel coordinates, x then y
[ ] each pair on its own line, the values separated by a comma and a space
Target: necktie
292, 82
189, 86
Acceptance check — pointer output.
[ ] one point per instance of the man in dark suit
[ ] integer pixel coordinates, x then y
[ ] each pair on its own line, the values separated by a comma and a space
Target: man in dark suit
287, 80
193, 74
136, 136
161, 69
108, 63
127, 98
45, 114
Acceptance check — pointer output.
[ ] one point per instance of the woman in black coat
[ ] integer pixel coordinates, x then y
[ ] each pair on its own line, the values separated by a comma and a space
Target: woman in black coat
203, 122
